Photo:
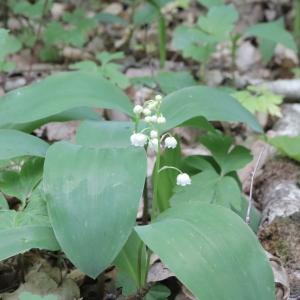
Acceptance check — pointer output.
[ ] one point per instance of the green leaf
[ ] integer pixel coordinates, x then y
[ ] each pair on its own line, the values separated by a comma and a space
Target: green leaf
85, 65
59, 93
229, 158
22, 231
144, 14
3, 202
29, 296
212, 251
106, 57
220, 21
288, 145
104, 134
132, 265
93, 196
259, 99
210, 103
15, 144
112, 72
274, 32
158, 292
108, 18
210, 187
172, 81
8, 44
54, 33
20, 183
166, 180
78, 113
210, 3
29, 10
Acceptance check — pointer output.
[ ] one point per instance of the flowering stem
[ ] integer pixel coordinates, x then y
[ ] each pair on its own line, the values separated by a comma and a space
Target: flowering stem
155, 205
169, 167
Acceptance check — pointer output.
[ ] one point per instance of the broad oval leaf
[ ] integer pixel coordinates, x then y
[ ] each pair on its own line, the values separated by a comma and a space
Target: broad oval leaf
212, 251
78, 113
210, 103
104, 134
59, 93
93, 196
15, 144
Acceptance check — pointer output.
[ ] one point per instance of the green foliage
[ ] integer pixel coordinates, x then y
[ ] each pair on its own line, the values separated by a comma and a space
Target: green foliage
158, 292
29, 296
288, 145
30, 10
8, 45
16, 144
108, 181
132, 265
216, 240
20, 182
188, 103
259, 99
23, 230
273, 32
93, 188
210, 3
199, 42
108, 69
59, 93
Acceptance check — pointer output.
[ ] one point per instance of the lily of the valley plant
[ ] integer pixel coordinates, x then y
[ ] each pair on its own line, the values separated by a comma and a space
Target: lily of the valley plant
82, 198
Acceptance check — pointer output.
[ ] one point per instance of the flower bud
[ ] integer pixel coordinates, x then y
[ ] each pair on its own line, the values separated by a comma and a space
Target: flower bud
161, 120
138, 109
183, 179
170, 142
153, 134
138, 139
152, 105
153, 119
158, 97
146, 111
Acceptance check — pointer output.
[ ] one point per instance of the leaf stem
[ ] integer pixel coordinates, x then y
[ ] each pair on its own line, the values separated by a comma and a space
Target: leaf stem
156, 205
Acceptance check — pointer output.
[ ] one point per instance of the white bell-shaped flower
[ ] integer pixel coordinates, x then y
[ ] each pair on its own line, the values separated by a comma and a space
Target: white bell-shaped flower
170, 142
146, 111
183, 179
161, 120
153, 119
153, 134
158, 97
138, 109
138, 139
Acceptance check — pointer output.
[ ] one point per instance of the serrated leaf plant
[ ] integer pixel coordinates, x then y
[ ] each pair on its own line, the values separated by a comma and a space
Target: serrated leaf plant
83, 197
8, 45
218, 25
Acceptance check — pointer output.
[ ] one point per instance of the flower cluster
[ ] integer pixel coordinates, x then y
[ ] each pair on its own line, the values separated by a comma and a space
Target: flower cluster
151, 114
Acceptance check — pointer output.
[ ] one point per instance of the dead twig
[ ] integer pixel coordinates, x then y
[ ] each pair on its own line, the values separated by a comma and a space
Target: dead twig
251, 186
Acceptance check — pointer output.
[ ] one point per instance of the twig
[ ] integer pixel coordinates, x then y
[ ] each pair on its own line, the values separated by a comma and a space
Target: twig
251, 186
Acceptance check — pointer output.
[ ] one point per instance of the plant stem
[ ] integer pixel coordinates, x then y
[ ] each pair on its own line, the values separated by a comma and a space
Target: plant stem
155, 204
251, 186
162, 33
234, 41
146, 204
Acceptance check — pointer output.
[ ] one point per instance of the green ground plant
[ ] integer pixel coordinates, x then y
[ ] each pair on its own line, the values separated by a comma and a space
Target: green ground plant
82, 198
